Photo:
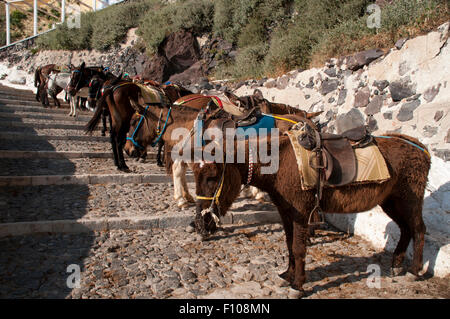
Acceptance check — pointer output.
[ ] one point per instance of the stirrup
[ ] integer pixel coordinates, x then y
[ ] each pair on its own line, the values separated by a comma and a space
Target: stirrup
322, 218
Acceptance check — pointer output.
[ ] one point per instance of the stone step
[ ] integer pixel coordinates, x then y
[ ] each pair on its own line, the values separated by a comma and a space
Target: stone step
25, 94
74, 166
80, 127
86, 179
17, 96
27, 136
53, 154
13, 117
90, 201
130, 223
39, 121
19, 101
55, 145
21, 108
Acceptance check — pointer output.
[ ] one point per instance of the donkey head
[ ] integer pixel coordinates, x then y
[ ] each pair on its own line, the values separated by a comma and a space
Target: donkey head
142, 132
76, 79
94, 93
217, 185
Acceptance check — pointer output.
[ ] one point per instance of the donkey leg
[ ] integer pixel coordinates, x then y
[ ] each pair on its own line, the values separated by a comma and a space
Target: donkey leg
417, 229
121, 139
104, 123
300, 237
394, 211
158, 154
178, 172
186, 195
114, 148
289, 274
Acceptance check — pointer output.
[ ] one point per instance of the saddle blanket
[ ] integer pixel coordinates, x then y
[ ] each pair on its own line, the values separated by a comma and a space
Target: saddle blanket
224, 102
263, 122
152, 95
370, 164
62, 68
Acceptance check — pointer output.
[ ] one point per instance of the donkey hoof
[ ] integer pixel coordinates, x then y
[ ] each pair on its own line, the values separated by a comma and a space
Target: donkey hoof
287, 275
182, 203
124, 169
396, 271
190, 199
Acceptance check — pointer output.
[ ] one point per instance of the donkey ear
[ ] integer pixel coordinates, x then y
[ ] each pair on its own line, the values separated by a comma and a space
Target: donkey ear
233, 98
258, 94
82, 65
312, 115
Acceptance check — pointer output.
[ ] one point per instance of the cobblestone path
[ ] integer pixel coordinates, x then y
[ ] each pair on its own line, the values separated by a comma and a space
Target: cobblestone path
131, 241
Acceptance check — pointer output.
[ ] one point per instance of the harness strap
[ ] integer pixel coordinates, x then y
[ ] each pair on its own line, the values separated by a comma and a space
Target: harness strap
280, 118
137, 128
411, 143
163, 130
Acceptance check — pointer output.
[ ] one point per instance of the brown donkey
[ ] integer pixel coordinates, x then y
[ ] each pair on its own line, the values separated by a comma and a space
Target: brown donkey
141, 135
400, 197
121, 98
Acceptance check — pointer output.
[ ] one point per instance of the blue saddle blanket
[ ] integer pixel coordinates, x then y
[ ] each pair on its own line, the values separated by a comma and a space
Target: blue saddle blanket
264, 122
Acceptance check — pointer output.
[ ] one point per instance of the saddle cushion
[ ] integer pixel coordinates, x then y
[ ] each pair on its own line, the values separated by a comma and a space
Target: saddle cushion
152, 95
369, 164
262, 122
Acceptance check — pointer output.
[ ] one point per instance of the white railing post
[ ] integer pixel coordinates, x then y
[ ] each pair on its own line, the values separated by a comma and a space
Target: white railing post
63, 11
35, 17
8, 31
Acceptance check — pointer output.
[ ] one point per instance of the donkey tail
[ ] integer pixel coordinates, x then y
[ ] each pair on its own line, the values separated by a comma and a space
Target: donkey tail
101, 104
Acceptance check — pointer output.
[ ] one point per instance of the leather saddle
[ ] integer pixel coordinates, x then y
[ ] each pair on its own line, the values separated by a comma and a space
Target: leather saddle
335, 152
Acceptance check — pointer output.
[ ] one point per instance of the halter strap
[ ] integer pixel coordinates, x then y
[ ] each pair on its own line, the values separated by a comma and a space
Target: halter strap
163, 130
137, 128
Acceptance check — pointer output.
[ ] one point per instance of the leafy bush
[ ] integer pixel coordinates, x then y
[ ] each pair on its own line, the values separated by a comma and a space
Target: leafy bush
112, 24
16, 18
99, 30
193, 15
248, 64
234, 19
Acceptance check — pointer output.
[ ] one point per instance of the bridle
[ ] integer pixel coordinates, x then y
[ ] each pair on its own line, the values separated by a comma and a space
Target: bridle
159, 132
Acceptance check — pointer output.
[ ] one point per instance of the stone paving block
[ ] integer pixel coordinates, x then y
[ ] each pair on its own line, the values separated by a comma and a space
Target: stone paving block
175, 221
256, 217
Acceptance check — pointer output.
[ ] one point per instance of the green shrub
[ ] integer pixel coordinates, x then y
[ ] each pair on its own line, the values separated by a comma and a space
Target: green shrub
16, 18
112, 24
193, 15
99, 30
235, 17
248, 64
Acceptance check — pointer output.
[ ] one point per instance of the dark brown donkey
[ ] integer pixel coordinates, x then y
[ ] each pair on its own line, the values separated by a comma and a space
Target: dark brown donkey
400, 197
40, 80
122, 98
